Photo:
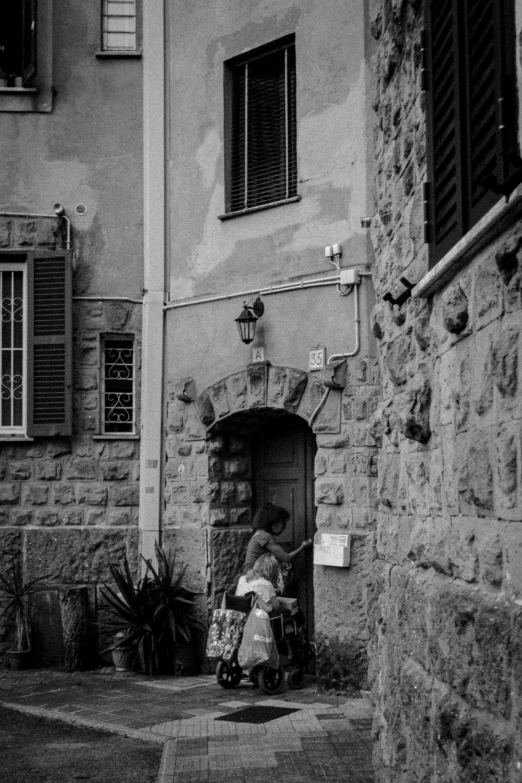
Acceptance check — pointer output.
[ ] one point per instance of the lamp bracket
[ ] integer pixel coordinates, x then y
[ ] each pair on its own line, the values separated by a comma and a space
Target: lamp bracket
256, 306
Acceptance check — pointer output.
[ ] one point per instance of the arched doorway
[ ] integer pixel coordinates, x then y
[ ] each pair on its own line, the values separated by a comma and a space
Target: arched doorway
282, 471
281, 449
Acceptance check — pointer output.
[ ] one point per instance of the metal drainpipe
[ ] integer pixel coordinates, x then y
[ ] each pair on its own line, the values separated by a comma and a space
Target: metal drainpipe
153, 338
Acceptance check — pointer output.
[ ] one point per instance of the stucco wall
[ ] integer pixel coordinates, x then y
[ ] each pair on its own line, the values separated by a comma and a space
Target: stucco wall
69, 506
208, 256
445, 616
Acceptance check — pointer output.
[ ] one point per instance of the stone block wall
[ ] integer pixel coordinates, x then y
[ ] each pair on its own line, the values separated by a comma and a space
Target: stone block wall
69, 506
445, 596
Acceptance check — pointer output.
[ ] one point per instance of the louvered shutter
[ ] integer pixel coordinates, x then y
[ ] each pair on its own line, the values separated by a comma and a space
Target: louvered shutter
472, 146
49, 344
263, 144
444, 126
490, 104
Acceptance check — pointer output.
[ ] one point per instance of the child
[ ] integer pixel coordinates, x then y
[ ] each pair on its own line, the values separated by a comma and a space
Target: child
261, 579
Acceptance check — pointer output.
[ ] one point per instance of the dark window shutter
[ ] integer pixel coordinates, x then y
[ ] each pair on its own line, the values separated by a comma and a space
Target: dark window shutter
263, 130
49, 344
238, 150
444, 125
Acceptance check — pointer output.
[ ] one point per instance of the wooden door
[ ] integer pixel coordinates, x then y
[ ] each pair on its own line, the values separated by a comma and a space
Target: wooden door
283, 475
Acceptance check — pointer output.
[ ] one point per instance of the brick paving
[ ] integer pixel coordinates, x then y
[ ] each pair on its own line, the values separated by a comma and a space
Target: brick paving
318, 738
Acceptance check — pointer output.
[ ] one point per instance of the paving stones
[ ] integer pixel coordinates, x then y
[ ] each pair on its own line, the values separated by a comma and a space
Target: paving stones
304, 737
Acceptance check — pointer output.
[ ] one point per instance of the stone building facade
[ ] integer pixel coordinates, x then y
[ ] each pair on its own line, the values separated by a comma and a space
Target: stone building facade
407, 442
69, 502
445, 614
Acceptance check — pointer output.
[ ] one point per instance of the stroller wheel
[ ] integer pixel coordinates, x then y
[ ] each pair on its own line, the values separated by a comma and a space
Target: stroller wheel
295, 679
271, 680
228, 674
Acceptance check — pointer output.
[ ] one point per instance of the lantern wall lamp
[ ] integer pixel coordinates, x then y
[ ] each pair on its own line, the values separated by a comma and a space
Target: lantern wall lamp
247, 320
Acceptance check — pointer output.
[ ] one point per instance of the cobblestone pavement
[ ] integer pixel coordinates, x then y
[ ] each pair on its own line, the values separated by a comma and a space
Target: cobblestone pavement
210, 734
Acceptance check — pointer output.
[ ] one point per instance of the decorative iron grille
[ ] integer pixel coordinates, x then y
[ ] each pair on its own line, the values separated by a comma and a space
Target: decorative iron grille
12, 341
118, 386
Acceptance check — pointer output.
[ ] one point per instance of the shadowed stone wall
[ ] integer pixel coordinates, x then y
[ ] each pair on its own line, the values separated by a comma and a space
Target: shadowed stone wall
445, 599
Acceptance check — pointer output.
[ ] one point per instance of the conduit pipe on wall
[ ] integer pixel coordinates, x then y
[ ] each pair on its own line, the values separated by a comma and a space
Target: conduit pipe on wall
336, 356
273, 289
55, 215
107, 299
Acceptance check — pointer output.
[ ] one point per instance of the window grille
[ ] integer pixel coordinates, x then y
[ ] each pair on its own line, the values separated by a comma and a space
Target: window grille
13, 339
262, 166
119, 26
472, 144
118, 387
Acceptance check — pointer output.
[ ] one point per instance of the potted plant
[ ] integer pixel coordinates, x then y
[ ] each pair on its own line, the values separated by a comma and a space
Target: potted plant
154, 613
17, 590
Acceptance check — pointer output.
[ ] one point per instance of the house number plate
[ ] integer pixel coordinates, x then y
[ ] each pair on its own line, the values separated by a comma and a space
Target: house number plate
316, 359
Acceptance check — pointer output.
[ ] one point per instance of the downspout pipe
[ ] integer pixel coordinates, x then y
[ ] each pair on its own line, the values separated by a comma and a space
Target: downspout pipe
153, 336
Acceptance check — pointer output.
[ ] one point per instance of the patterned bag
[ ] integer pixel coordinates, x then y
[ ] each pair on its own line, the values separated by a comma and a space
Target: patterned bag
225, 632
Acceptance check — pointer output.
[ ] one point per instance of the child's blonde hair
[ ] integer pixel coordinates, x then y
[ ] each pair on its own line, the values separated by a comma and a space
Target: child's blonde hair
267, 567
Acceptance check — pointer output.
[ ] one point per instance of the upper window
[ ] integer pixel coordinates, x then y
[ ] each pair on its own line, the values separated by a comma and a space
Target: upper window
26, 36
18, 43
35, 340
119, 26
472, 134
261, 159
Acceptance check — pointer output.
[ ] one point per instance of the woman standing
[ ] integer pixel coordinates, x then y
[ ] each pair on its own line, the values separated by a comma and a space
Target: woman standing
270, 521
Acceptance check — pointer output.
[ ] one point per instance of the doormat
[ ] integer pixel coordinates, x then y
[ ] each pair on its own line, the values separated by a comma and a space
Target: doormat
257, 714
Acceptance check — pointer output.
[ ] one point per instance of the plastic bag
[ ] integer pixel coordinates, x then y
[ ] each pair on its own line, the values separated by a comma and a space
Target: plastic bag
258, 645
224, 634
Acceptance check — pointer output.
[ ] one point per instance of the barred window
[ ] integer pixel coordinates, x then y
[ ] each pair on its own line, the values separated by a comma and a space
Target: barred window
13, 339
119, 29
118, 385
261, 127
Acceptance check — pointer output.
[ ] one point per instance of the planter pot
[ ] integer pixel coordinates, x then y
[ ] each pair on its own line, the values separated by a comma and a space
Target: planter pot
20, 659
121, 658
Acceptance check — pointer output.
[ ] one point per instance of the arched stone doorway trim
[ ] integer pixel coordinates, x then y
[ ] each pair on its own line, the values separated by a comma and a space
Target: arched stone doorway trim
261, 386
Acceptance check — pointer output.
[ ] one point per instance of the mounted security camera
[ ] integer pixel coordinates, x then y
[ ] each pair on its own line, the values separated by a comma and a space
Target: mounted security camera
59, 209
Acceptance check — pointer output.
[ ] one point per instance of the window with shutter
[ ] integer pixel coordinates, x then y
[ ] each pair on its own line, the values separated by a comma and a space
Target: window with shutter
472, 154
49, 377
261, 128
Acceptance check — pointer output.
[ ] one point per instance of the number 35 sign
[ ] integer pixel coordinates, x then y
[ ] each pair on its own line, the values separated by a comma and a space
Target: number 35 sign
316, 359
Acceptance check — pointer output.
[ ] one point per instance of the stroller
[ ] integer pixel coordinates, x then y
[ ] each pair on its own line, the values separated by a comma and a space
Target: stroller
293, 646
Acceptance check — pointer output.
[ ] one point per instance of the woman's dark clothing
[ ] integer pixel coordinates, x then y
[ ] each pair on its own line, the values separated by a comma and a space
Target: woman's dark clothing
257, 547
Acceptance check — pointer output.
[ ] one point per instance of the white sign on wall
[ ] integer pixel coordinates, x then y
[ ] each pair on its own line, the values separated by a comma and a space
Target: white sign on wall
332, 549
258, 354
316, 359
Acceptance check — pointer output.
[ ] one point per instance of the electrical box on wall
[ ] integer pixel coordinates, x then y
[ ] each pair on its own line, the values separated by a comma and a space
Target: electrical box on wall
332, 549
